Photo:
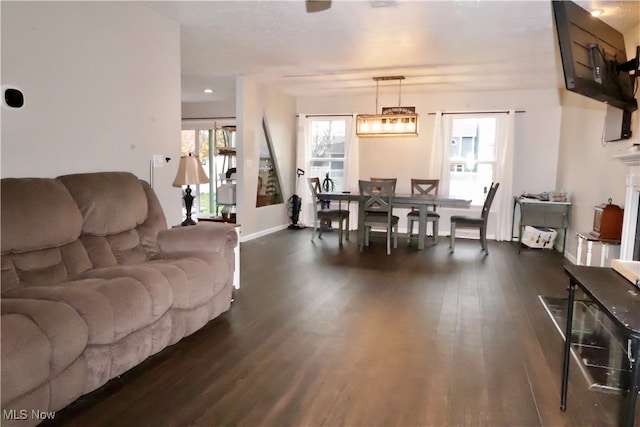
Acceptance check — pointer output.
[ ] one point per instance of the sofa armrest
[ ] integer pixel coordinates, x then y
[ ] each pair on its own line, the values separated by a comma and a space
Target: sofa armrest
208, 237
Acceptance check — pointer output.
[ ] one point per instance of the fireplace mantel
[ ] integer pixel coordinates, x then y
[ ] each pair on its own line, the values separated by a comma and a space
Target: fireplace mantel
630, 156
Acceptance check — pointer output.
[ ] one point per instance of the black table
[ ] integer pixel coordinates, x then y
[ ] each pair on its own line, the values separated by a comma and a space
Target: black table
619, 299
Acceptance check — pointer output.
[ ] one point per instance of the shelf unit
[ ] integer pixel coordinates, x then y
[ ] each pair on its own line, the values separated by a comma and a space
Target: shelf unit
226, 181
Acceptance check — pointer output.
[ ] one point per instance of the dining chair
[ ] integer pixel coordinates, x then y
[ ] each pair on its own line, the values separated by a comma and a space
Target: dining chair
326, 214
393, 180
376, 209
426, 187
458, 221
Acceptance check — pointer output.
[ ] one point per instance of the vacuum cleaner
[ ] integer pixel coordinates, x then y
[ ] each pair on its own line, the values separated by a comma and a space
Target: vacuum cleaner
294, 205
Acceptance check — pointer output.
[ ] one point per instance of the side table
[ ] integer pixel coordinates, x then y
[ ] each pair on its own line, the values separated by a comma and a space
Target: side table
591, 239
536, 213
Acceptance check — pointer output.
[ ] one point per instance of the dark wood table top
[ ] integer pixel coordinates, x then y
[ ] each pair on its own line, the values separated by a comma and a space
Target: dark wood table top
612, 292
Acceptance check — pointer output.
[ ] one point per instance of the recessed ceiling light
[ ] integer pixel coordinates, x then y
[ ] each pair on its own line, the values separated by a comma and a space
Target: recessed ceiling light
208, 91
597, 12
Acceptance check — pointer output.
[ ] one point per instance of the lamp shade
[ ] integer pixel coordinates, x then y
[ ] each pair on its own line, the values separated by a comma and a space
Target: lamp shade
190, 172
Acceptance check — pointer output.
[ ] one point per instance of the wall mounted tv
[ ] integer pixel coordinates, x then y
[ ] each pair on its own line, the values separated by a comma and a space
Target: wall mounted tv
595, 62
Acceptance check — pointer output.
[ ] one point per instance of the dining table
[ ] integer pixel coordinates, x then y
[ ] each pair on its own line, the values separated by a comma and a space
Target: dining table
401, 200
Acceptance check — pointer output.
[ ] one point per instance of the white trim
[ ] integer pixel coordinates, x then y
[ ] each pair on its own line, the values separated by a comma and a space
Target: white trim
571, 257
630, 220
264, 232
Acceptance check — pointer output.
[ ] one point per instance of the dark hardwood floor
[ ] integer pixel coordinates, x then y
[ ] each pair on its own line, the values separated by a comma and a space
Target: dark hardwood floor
323, 335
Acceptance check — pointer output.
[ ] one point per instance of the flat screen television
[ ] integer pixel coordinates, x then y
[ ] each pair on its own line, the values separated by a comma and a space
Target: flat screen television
594, 60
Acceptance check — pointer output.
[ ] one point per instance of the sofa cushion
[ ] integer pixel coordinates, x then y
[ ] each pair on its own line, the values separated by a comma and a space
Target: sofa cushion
44, 267
127, 248
25, 356
37, 213
40, 339
9, 278
110, 202
117, 249
157, 286
112, 308
193, 280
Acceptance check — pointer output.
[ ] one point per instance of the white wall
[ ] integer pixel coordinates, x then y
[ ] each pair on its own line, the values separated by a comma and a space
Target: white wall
102, 91
255, 100
585, 165
207, 110
536, 139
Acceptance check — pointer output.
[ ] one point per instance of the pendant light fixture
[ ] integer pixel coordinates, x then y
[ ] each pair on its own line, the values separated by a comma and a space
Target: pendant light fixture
394, 121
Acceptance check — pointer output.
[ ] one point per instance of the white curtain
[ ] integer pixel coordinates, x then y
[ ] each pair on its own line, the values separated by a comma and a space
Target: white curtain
504, 175
302, 161
352, 169
438, 148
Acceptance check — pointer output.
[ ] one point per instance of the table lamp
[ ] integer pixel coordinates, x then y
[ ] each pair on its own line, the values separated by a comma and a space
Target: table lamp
189, 172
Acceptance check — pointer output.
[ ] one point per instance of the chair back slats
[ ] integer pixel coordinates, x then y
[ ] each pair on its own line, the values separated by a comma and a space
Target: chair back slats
326, 214
486, 207
377, 196
425, 186
375, 206
475, 222
394, 181
314, 185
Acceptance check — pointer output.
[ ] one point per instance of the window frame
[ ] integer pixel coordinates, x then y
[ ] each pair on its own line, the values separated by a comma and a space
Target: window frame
329, 159
461, 163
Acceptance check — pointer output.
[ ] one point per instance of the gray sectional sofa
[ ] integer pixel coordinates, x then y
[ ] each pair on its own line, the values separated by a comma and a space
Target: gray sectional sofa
93, 283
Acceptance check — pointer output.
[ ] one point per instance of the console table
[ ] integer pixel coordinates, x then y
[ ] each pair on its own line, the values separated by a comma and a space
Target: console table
619, 299
536, 213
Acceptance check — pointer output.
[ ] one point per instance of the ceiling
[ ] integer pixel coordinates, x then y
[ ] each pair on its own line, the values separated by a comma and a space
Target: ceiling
473, 45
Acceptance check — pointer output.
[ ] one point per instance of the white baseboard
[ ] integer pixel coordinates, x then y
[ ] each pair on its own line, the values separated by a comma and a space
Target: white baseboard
246, 238
570, 257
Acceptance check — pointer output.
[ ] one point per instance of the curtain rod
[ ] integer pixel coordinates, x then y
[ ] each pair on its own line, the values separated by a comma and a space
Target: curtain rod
477, 112
208, 118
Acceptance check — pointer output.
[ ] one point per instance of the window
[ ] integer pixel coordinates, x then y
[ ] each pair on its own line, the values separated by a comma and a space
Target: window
327, 151
472, 157
325, 144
